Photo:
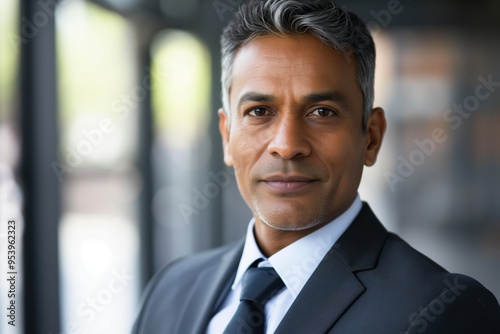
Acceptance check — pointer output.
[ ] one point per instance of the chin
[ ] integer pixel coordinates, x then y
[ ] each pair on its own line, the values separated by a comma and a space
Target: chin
276, 220
292, 215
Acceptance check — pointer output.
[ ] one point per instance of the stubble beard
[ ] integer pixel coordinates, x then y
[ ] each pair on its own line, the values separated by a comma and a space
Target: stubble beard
319, 217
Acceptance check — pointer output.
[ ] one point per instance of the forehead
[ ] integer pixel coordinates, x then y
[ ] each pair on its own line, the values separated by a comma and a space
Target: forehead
299, 64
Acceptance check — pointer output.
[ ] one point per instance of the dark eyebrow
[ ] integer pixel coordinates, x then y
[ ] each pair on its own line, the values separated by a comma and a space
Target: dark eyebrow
310, 98
327, 96
255, 97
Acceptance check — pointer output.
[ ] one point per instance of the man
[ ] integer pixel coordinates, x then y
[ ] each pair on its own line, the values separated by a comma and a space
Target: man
298, 127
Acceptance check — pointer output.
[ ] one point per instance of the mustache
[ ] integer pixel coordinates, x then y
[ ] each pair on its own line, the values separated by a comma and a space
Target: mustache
287, 167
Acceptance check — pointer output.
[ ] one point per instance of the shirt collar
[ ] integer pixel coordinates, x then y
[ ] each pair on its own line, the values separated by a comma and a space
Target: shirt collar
251, 252
296, 262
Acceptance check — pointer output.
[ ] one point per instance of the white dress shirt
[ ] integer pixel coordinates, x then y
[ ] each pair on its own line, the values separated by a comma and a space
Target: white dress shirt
294, 264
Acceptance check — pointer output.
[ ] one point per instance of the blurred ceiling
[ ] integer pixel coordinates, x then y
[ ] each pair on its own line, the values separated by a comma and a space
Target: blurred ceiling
460, 13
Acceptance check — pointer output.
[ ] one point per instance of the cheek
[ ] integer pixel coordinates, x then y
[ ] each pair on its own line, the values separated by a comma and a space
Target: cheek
243, 155
247, 146
353, 162
343, 155
243, 166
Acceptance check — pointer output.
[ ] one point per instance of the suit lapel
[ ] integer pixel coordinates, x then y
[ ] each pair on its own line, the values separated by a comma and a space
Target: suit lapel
211, 286
334, 287
322, 301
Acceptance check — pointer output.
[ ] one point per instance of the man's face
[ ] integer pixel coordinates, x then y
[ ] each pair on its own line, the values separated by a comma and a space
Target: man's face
294, 136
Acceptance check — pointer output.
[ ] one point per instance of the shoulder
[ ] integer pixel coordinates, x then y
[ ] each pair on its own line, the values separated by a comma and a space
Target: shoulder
413, 269
459, 304
438, 301
397, 252
185, 270
171, 288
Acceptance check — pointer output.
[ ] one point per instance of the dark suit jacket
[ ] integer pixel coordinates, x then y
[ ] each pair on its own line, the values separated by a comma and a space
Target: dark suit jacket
371, 281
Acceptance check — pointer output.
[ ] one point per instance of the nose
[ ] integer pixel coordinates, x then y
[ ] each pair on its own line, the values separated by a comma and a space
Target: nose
289, 139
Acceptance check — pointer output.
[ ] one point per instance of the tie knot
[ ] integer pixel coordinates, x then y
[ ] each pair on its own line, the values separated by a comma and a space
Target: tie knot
259, 285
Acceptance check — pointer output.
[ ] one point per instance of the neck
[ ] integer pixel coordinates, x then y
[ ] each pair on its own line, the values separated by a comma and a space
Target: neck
271, 240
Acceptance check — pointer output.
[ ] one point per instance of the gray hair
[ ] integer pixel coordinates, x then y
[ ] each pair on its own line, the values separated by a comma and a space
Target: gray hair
323, 19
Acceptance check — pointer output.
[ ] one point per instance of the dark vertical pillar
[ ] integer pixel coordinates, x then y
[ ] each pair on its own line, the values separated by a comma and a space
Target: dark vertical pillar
216, 161
209, 29
40, 184
145, 33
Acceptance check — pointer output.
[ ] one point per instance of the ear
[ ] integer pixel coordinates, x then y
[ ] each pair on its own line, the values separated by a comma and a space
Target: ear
375, 130
224, 132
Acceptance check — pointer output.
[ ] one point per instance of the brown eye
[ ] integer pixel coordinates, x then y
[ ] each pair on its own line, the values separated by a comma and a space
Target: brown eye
323, 112
258, 112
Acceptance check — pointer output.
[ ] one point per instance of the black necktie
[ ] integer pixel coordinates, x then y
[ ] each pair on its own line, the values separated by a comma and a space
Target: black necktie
259, 285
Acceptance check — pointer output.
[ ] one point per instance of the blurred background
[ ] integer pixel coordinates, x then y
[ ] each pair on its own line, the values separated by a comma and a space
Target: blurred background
111, 161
